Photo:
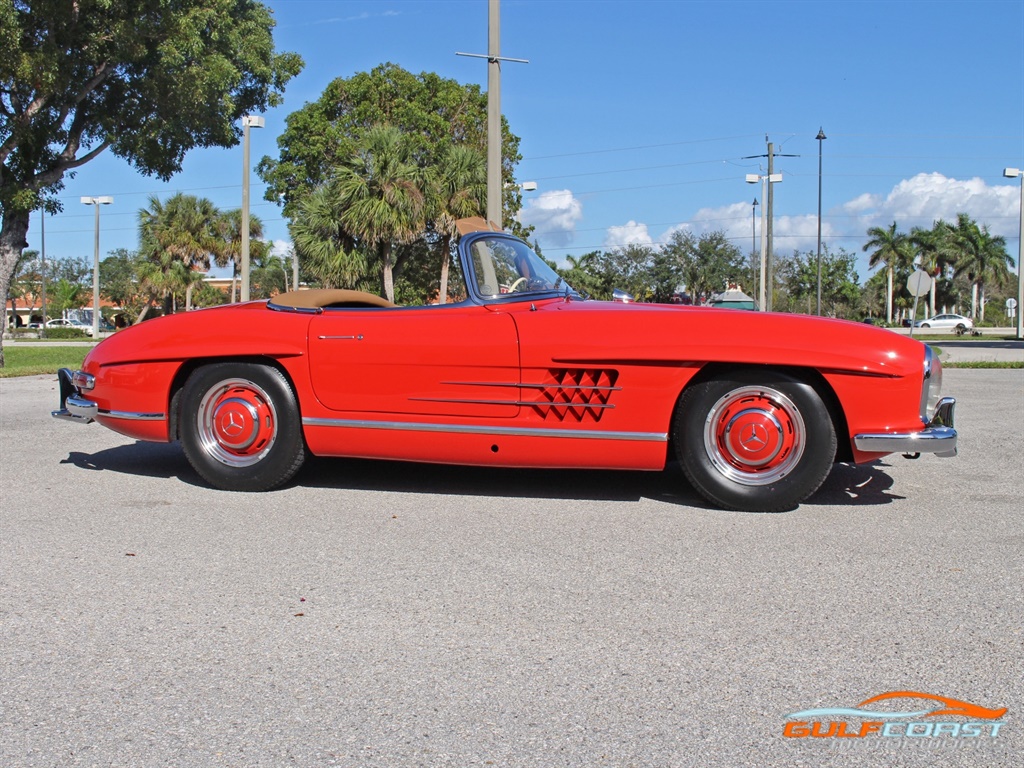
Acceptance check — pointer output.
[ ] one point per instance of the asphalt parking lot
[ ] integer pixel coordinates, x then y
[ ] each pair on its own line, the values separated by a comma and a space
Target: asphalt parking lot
375, 614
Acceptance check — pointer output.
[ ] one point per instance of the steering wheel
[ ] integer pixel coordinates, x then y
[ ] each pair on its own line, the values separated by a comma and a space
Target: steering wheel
516, 284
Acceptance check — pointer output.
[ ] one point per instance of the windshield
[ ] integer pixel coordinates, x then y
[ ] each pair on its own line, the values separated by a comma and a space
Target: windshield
503, 266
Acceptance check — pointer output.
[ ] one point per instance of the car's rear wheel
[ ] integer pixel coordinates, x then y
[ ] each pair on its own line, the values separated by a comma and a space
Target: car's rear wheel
961, 327
756, 441
240, 426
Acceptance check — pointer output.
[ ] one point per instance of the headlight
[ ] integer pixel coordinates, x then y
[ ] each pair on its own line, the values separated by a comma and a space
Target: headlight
931, 391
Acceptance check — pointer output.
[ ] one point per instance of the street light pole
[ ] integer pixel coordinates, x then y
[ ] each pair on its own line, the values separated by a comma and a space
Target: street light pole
249, 121
1012, 173
753, 240
42, 235
96, 202
820, 138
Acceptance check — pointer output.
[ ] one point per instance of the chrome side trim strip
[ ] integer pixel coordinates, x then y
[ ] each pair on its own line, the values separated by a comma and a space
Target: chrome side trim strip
470, 429
134, 416
544, 404
566, 387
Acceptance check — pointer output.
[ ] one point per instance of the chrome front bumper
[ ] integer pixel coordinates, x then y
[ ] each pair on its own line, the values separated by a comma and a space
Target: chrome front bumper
938, 437
73, 407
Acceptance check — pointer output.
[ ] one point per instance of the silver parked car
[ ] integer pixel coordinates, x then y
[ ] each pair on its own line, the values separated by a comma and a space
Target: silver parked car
957, 322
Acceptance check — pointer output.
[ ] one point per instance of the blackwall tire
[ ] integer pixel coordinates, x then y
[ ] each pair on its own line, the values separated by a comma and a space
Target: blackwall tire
240, 426
754, 440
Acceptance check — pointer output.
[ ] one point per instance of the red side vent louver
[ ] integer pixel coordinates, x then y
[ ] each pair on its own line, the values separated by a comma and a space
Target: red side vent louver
575, 394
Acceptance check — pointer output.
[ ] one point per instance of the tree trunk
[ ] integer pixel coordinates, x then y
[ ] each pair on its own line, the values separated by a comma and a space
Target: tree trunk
888, 295
387, 268
12, 243
974, 301
446, 254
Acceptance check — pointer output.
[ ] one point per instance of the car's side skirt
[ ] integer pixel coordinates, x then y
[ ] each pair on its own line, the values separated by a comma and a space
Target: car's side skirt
486, 445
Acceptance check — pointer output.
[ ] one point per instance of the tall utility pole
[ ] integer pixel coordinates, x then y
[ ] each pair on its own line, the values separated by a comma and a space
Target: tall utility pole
819, 138
494, 112
494, 59
769, 211
770, 200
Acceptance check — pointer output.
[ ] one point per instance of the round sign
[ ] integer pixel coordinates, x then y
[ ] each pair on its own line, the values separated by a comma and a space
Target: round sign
1011, 303
919, 283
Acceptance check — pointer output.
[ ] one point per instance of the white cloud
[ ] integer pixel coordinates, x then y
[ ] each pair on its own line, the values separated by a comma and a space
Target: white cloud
927, 197
555, 214
630, 233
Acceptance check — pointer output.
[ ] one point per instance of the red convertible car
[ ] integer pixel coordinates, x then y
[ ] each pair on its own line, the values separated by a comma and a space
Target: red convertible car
521, 372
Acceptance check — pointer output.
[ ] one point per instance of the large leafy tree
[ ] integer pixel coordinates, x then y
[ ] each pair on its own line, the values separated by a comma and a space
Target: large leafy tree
434, 114
120, 283
840, 294
708, 263
147, 79
891, 248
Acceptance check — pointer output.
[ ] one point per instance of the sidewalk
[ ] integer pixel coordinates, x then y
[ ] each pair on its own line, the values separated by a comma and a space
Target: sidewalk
980, 351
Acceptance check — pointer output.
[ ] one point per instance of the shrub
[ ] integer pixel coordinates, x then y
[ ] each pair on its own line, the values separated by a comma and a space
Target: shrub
71, 334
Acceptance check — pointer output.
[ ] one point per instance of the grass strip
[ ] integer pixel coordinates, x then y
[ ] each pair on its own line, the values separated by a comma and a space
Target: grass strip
985, 364
34, 361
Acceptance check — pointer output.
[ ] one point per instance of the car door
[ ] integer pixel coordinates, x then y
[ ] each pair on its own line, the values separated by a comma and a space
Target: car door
436, 360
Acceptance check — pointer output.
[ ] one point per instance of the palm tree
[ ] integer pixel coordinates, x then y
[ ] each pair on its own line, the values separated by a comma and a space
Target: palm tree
931, 246
892, 249
326, 250
381, 197
230, 228
981, 256
161, 276
185, 227
459, 191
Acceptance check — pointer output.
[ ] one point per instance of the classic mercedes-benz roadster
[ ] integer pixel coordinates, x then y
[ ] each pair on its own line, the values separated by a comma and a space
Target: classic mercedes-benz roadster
521, 371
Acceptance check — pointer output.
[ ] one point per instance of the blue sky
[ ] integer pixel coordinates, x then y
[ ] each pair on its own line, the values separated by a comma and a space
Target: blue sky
635, 117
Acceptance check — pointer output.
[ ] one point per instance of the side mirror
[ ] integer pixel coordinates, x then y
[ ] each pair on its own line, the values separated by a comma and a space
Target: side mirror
621, 296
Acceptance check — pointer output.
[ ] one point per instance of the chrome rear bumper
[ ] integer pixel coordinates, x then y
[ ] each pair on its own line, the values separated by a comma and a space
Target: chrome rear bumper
938, 437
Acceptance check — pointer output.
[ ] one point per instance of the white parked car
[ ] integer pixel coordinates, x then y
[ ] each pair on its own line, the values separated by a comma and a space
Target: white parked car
60, 322
946, 321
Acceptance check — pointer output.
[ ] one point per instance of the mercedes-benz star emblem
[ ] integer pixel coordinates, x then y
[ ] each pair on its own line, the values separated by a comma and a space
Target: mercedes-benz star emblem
232, 425
754, 437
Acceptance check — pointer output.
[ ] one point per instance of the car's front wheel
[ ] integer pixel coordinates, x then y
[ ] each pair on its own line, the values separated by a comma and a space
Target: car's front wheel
926, 325
752, 440
240, 426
